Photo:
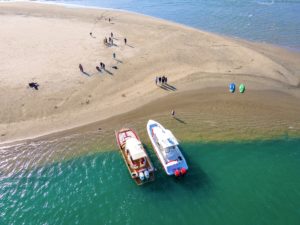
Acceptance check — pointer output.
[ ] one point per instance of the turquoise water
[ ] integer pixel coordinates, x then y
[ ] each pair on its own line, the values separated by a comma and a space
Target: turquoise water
271, 21
228, 183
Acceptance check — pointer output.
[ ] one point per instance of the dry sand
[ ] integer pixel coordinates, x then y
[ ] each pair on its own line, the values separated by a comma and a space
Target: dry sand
45, 44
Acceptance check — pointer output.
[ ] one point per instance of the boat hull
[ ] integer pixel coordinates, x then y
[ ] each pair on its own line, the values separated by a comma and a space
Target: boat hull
172, 166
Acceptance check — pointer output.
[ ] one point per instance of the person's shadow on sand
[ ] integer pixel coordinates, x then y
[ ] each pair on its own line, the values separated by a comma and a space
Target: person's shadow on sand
170, 87
107, 71
85, 73
119, 61
130, 46
179, 120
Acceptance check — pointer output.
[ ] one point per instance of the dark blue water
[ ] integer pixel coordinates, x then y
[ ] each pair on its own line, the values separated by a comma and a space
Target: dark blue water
271, 21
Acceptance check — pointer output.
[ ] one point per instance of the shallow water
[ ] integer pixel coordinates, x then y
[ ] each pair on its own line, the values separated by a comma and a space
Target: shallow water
271, 21
228, 183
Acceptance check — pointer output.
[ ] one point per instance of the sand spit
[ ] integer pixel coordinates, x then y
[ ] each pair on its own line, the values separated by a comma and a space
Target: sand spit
45, 43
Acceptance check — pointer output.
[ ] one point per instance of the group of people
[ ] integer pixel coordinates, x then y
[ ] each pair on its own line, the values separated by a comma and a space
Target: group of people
108, 42
161, 80
102, 66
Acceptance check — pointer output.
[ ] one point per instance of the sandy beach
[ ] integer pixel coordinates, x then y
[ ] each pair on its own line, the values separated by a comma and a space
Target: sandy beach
45, 44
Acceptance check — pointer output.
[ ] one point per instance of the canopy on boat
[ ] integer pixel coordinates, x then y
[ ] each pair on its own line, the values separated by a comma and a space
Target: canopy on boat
165, 137
135, 148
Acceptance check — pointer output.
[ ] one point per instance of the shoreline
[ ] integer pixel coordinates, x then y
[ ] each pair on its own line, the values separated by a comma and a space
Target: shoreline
189, 78
181, 125
67, 5
76, 6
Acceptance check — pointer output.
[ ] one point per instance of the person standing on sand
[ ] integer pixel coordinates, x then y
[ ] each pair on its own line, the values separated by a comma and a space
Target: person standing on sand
159, 80
97, 68
166, 80
111, 34
173, 113
114, 55
80, 68
125, 41
156, 80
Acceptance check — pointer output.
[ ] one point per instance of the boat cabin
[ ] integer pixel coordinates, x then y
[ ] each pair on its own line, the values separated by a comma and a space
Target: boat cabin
135, 153
167, 143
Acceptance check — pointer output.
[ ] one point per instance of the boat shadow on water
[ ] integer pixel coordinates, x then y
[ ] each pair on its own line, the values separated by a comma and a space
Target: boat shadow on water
196, 179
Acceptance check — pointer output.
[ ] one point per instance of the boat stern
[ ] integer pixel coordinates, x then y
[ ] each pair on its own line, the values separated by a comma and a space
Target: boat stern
178, 169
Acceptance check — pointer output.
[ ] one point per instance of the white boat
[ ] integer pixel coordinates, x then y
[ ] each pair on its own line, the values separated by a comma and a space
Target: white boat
167, 149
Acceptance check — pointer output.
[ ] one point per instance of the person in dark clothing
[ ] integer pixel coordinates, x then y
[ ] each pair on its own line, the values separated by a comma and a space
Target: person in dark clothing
159, 80
34, 85
101, 65
173, 113
166, 80
111, 34
114, 55
80, 68
125, 41
163, 80
97, 68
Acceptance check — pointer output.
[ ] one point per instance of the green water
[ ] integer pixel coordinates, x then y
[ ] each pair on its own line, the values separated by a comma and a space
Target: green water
228, 183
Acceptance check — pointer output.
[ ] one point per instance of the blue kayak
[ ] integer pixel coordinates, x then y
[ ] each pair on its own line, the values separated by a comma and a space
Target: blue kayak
232, 87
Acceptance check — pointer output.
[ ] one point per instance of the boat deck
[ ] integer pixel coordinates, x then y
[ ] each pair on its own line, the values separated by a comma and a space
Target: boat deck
121, 137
